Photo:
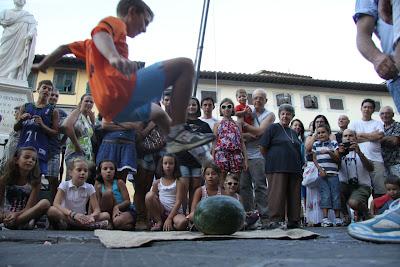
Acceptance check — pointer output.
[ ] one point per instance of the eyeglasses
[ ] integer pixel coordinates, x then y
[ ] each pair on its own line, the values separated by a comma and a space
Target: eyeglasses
226, 107
230, 183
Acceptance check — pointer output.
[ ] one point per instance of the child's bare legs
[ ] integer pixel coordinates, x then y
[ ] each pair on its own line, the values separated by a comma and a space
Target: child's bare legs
53, 185
190, 184
180, 222
107, 202
325, 212
57, 218
143, 183
123, 221
32, 213
154, 209
179, 73
62, 221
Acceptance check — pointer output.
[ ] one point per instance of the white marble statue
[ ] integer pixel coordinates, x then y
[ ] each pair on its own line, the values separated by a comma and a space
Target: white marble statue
17, 44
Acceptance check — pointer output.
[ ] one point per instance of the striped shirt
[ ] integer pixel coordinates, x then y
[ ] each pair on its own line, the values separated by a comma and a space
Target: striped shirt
325, 160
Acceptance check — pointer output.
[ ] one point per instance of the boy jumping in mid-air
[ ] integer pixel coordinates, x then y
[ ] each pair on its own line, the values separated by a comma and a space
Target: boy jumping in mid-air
124, 94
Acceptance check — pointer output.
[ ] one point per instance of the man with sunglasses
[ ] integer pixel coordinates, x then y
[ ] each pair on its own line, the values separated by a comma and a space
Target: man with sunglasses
255, 174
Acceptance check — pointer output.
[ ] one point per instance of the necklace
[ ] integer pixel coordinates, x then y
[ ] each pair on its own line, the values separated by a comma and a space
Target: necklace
291, 134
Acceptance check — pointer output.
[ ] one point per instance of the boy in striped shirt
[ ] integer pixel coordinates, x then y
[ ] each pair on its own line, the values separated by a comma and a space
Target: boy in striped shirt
326, 159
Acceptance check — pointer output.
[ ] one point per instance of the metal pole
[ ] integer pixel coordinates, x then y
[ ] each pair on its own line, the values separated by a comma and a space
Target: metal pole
200, 43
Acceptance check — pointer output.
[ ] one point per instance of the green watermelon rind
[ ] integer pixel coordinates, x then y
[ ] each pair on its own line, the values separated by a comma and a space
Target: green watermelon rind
219, 215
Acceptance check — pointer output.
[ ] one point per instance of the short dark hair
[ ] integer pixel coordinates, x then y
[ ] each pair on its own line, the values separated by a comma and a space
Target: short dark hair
368, 100
316, 118
208, 99
326, 127
393, 179
46, 82
141, 7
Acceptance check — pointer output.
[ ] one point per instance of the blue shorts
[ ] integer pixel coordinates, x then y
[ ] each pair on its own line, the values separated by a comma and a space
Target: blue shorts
53, 166
150, 85
190, 172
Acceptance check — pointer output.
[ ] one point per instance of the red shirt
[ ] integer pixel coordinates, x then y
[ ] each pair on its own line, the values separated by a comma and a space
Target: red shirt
247, 118
111, 89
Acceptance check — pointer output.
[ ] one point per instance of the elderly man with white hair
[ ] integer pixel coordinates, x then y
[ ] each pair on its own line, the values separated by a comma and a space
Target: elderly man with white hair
262, 118
391, 141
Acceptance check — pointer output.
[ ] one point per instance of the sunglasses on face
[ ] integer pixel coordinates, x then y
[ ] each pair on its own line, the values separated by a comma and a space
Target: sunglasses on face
230, 183
226, 107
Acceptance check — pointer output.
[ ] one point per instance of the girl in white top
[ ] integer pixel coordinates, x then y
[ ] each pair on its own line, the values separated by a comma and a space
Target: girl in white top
69, 206
211, 175
164, 200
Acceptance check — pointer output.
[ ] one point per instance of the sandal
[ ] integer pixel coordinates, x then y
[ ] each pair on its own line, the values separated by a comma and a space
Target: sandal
156, 227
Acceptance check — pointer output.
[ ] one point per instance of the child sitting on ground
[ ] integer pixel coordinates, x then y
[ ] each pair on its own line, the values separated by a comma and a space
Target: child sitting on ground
69, 206
231, 186
164, 201
211, 187
380, 204
123, 93
19, 189
113, 197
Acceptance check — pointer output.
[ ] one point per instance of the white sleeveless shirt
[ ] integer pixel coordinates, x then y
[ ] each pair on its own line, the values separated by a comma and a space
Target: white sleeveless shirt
167, 195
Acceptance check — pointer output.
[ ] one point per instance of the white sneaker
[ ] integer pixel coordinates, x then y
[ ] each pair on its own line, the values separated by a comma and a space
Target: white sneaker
326, 223
338, 222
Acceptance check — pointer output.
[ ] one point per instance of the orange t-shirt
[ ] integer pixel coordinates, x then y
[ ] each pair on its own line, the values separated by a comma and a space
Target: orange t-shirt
111, 89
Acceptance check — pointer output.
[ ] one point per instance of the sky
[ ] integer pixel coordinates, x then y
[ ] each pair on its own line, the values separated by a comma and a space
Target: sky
307, 37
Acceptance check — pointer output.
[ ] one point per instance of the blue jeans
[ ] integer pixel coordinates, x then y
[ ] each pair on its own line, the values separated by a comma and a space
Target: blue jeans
394, 89
329, 189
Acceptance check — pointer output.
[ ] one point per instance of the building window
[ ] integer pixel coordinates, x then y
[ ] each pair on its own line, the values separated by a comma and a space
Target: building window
211, 94
65, 80
32, 80
336, 103
377, 106
249, 99
283, 99
310, 101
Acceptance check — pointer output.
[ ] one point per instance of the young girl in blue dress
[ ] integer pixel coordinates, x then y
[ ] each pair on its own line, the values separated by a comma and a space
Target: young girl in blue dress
113, 197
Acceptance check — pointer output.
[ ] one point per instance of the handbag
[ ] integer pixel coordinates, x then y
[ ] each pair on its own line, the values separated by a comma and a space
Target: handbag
154, 141
310, 175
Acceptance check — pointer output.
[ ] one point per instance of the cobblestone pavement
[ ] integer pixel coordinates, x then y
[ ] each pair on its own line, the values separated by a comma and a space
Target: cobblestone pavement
76, 248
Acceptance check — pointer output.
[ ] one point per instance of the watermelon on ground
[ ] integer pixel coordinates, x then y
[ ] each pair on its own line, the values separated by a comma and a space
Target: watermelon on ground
219, 215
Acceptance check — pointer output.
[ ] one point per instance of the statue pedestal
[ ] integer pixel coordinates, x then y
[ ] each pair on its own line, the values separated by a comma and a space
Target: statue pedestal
12, 82
12, 93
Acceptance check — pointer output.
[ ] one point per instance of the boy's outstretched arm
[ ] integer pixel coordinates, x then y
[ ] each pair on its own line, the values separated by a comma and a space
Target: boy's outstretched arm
105, 44
52, 58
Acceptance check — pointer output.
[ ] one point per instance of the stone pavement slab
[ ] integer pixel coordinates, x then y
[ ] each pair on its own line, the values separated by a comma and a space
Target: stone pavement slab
77, 248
